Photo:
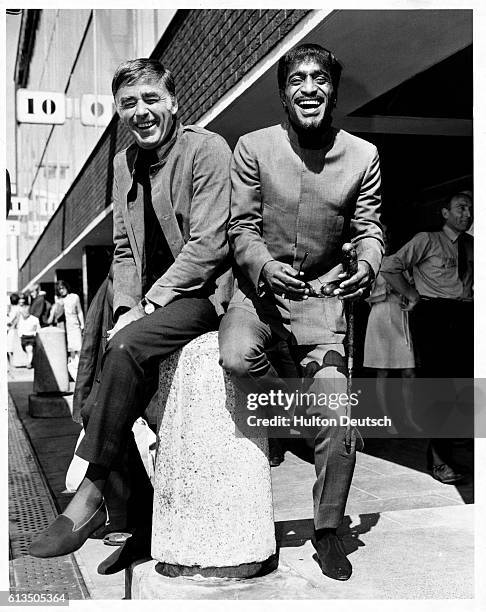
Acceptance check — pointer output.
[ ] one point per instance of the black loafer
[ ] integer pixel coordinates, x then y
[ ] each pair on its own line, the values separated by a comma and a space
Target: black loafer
332, 557
445, 474
61, 537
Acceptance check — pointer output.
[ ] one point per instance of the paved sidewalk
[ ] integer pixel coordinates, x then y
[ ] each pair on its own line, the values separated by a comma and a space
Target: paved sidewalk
408, 536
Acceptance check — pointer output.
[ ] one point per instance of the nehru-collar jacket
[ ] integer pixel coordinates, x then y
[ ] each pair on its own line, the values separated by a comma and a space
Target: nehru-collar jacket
190, 191
286, 201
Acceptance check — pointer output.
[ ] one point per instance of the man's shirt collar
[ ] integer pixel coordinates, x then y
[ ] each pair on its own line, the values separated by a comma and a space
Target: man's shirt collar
294, 136
450, 233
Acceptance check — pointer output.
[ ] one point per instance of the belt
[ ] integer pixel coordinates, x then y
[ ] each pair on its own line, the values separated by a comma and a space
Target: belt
426, 298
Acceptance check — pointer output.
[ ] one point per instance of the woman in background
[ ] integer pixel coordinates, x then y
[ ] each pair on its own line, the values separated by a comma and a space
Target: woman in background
56, 316
74, 321
12, 320
388, 349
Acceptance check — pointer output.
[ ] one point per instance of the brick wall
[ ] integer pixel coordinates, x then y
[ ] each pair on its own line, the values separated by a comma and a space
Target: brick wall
209, 51
222, 46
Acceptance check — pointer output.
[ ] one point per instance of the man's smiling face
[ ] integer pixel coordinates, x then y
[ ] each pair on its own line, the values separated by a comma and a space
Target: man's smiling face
148, 110
308, 96
459, 215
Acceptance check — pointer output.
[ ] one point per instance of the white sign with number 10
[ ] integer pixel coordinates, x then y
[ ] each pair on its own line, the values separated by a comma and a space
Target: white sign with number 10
52, 108
41, 107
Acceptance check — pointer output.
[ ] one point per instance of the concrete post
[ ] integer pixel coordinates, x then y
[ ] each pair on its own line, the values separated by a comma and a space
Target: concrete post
50, 361
51, 378
213, 512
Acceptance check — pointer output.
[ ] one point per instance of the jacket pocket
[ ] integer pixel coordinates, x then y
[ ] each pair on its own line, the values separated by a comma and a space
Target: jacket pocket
334, 315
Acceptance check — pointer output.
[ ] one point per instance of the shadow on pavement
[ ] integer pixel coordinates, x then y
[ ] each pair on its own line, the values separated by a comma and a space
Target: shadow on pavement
412, 453
295, 533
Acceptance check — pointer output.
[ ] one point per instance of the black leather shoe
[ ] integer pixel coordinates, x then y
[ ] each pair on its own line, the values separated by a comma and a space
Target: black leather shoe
61, 538
445, 474
332, 557
137, 547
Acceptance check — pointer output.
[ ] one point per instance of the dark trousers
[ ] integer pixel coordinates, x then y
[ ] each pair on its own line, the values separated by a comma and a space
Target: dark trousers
443, 336
245, 342
129, 376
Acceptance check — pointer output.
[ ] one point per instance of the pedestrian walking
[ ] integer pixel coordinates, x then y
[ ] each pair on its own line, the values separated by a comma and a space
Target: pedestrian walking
27, 327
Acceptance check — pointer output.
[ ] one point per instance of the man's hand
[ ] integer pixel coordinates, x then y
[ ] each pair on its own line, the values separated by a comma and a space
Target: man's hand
283, 280
410, 295
353, 287
131, 315
409, 302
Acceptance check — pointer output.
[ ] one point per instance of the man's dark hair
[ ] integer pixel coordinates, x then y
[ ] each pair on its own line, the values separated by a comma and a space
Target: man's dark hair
132, 71
14, 299
459, 194
61, 285
305, 53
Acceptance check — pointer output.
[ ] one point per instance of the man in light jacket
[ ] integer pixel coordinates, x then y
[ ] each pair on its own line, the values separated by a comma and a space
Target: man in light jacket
299, 191
170, 209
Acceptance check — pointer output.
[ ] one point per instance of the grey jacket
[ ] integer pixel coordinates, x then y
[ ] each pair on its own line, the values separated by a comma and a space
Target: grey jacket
190, 196
286, 201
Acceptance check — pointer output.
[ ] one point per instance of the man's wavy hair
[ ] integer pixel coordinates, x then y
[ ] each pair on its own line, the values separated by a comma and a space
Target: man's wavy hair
133, 71
308, 52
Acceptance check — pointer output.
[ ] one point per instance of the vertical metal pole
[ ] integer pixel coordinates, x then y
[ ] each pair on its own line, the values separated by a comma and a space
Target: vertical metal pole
85, 279
95, 71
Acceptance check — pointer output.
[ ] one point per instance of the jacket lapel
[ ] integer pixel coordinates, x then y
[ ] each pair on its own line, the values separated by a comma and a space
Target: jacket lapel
132, 196
161, 192
162, 199
136, 218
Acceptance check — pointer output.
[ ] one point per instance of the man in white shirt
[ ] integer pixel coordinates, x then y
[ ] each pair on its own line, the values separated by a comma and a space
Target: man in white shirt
442, 304
27, 328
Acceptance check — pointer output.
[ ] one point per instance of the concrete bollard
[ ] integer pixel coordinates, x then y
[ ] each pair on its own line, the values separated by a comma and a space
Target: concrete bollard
213, 512
51, 378
50, 361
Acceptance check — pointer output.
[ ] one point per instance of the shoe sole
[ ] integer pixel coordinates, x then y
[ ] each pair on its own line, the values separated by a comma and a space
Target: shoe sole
449, 481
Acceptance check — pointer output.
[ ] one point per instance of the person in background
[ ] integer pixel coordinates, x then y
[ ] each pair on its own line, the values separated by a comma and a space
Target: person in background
56, 316
441, 301
27, 328
389, 350
74, 319
12, 320
40, 307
